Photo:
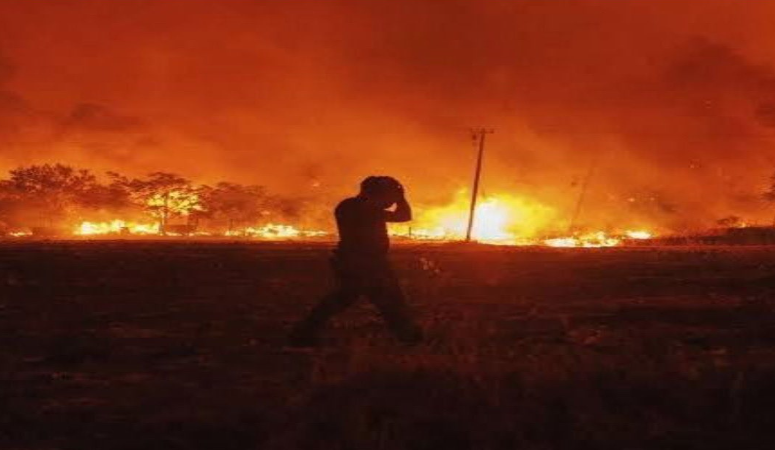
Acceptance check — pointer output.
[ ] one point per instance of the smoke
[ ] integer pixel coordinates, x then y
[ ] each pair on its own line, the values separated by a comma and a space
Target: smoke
671, 104
13, 108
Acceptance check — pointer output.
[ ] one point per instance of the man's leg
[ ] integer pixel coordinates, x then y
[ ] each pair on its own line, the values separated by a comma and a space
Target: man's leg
386, 294
306, 332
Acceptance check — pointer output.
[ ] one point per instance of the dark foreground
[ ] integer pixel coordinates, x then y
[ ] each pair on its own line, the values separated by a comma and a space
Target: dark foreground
143, 345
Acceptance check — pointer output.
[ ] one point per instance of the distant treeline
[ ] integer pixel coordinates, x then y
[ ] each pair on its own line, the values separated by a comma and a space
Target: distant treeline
59, 196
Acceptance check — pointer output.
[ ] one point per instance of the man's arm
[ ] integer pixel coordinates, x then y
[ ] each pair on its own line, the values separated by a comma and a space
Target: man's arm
402, 213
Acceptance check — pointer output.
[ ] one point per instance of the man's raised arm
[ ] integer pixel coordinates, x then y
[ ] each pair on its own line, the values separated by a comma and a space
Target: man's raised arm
402, 213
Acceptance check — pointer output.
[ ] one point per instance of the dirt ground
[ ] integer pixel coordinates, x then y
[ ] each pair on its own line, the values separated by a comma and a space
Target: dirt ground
179, 345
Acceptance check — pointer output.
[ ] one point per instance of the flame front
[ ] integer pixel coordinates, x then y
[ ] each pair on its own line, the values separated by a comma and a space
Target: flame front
590, 240
507, 220
120, 227
279, 231
502, 219
638, 234
115, 226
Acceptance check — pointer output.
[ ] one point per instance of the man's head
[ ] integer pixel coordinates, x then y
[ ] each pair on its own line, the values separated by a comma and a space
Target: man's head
381, 189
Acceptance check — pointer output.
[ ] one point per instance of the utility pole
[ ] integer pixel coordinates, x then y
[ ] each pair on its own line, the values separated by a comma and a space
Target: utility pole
478, 134
582, 195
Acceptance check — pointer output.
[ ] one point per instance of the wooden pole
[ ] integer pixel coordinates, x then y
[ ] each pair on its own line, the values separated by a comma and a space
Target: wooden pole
582, 196
480, 135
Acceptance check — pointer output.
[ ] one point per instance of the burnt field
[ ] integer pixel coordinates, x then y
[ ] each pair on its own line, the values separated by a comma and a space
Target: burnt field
173, 345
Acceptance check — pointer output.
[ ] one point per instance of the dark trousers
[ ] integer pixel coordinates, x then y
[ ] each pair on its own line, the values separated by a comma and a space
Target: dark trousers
372, 278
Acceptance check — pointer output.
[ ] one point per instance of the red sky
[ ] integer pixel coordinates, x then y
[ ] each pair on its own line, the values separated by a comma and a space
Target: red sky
675, 100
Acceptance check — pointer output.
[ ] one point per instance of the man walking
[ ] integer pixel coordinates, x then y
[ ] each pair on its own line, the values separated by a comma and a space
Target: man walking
360, 262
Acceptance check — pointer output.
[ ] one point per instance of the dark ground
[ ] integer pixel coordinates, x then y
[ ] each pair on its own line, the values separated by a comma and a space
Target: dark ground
173, 345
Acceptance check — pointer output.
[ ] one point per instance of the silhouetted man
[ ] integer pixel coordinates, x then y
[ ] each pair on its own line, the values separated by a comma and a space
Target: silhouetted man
361, 265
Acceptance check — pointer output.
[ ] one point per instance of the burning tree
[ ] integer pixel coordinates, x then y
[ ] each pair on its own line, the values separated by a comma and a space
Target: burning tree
163, 195
49, 194
235, 204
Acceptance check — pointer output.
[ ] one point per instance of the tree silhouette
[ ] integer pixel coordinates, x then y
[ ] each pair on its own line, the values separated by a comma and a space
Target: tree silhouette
236, 204
51, 193
163, 195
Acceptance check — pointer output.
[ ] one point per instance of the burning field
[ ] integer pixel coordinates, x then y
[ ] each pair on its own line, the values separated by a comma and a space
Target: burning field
59, 201
138, 344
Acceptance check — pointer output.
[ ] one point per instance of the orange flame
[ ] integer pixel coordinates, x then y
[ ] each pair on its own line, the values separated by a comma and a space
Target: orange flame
502, 219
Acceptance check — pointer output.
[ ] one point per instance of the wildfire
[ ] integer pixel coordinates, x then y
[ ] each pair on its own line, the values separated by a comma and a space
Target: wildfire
597, 239
499, 219
506, 220
590, 240
638, 234
279, 231
502, 219
115, 227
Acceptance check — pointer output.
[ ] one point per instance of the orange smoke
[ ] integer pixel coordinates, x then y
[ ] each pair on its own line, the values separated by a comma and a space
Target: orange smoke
673, 101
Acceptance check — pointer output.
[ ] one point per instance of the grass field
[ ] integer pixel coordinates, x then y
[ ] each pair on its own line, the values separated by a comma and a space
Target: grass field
173, 345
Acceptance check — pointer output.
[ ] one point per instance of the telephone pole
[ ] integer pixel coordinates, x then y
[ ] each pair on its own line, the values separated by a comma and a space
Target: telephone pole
478, 134
582, 195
